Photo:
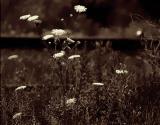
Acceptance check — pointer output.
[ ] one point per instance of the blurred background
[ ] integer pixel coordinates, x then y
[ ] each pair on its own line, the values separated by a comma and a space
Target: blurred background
104, 18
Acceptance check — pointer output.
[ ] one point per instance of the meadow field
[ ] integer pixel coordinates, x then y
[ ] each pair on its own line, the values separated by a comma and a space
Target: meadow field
100, 86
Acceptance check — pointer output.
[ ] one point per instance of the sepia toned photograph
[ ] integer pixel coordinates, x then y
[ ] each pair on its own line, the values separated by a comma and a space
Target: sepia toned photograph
80, 62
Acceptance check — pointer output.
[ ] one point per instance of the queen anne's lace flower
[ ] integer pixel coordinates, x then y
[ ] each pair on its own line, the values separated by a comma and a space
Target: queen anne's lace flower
47, 37
33, 18
20, 88
80, 8
58, 32
71, 101
58, 55
17, 115
98, 84
121, 71
74, 56
24, 17
13, 57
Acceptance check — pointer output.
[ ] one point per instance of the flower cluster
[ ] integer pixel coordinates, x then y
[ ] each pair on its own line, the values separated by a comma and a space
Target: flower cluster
20, 88
58, 32
74, 56
17, 115
121, 71
71, 101
58, 55
80, 8
29, 18
12, 57
98, 84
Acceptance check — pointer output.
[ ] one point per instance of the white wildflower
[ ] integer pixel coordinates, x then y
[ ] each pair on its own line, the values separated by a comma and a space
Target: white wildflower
121, 71
33, 18
74, 56
98, 84
17, 115
58, 32
70, 40
37, 21
80, 8
24, 17
47, 37
71, 101
13, 57
20, 88
58, 55
139, 32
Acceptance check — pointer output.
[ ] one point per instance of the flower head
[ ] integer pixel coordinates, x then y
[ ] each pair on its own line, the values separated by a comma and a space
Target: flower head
58, 32
24, 17
17, 115
20, 88
71, 101
47, 37
98, 84
121, 71
33, 18
58, 55
74, 56
13, 57
80, 8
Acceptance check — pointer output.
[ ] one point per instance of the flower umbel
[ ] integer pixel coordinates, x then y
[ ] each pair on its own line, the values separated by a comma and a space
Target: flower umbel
58, 32
32, 18
121, 71
17, 115
13, 57
74, 56
47, 37
58, 55
24, 17
98, 84
80, 8
71, 101
20, 88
